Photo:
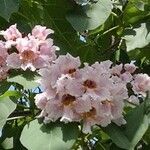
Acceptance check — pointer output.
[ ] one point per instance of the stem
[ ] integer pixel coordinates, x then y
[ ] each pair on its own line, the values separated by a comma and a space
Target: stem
105, 32
114, 14
117, 55
20, 113
110, 48
15, 118
109, 30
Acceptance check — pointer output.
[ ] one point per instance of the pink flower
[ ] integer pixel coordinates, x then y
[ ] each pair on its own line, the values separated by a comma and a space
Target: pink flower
120, 121
83, 104
41, 100
130, 67
12, 33
95, 84
3, 53
62, 106
93, 95
41, 32
3, 66
103, 68
70, 85
67, 64
134, 99
124, 72
27, 56
9, 44
126, 77
119, 91
116, 70
57, 68
53, 111
141, 83
32, 54
47, 50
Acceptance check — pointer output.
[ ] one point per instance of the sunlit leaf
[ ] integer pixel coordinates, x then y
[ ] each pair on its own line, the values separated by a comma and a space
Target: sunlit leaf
90, 17
49, 137
26, 83
6, 108
137, 37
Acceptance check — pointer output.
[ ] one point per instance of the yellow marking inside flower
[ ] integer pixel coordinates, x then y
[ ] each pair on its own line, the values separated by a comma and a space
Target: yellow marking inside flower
28, 55
68, 99
89, 84
90, 114
107, 102
71, 71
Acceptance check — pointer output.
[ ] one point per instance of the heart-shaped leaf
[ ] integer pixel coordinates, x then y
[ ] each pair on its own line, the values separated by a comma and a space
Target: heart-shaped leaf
49, 137
91, 16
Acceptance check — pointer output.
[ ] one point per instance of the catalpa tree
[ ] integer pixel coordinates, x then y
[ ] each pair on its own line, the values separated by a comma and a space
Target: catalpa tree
74, 74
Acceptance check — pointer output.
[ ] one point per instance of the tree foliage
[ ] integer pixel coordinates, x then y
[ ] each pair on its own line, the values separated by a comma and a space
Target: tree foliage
94, 30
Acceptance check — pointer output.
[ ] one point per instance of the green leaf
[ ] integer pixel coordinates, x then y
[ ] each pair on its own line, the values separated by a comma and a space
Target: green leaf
135, 12
137, 37
140, 4
137, 125
26, 83
140, 53
4, 86
30, 12
11, 135
49, 137
147, 136
65, 36
90, 17
8, 143
7, 7
129, 135
10, 93
44, 13
3, 23
6, 108
117, 135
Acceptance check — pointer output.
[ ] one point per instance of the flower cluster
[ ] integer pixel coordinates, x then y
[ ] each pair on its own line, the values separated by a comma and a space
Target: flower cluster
94, 95
32, 51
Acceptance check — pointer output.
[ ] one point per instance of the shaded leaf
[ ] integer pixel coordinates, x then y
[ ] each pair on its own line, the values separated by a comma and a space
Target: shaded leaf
11, 135
147, 136
134, 14
129, 135
7, 7
4, 86
65, 36
137, 125
117, 135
